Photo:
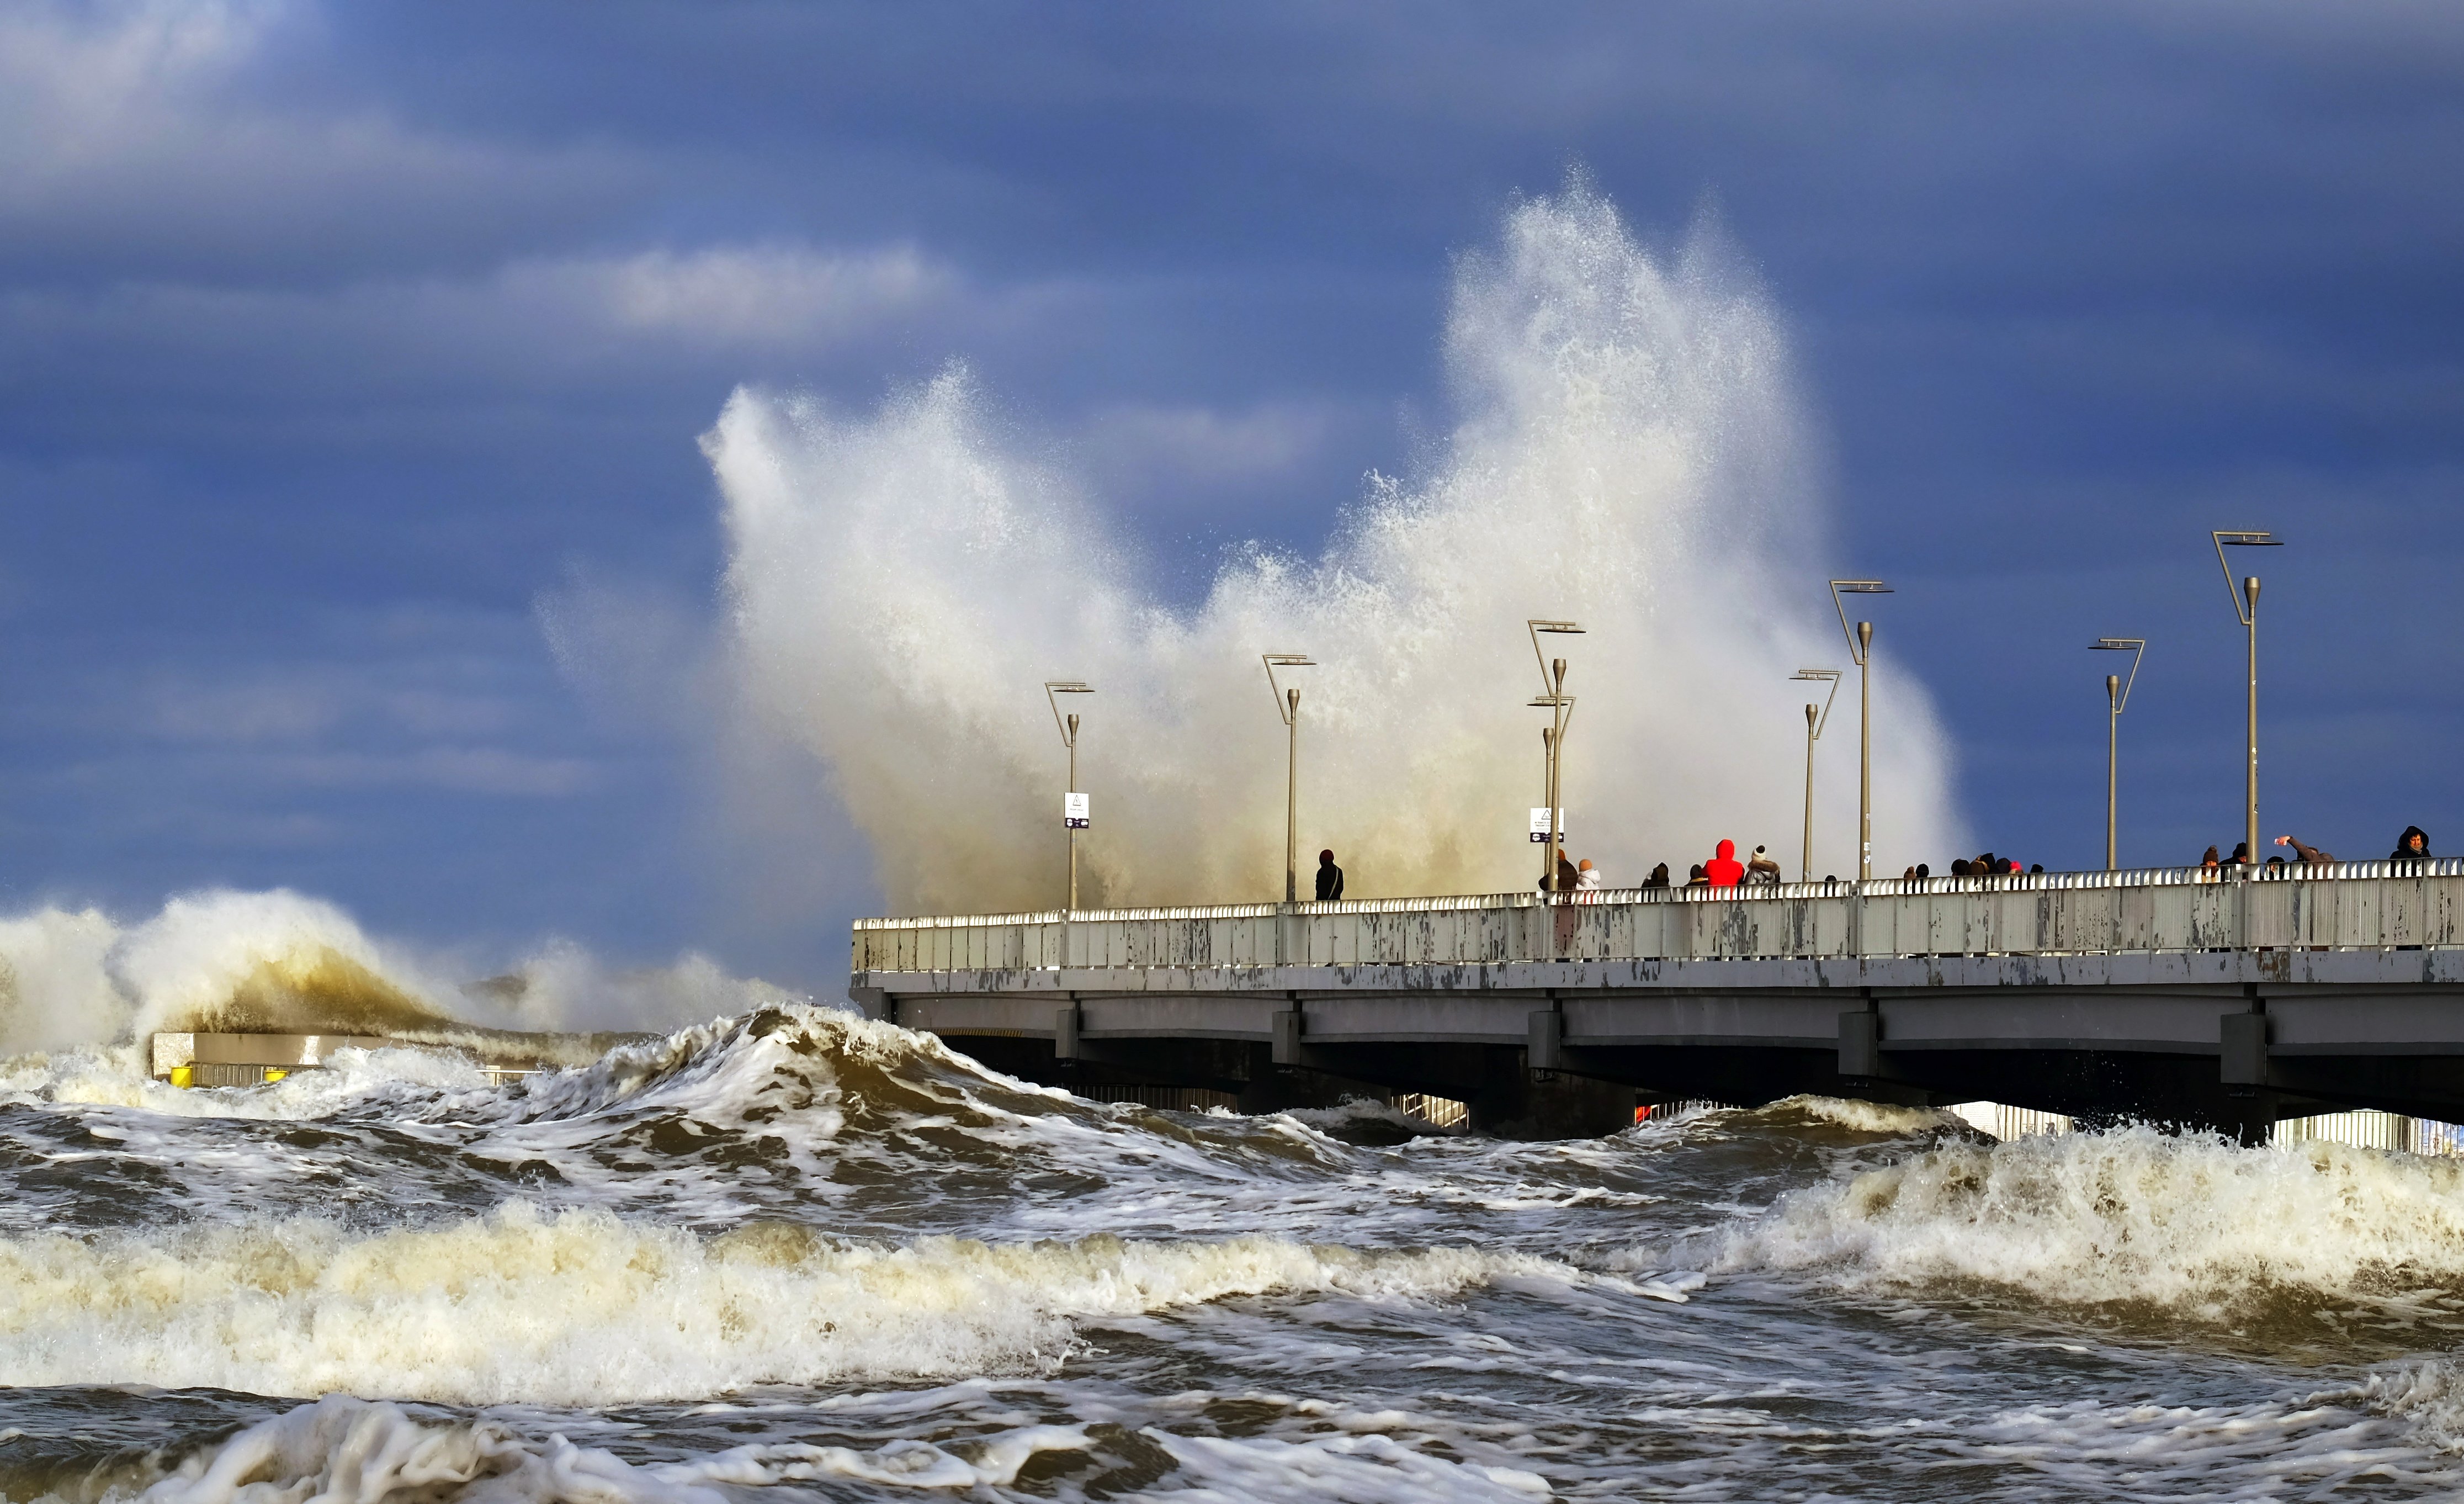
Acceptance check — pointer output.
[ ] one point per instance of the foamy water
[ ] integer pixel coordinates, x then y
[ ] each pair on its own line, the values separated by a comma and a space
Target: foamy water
787, 1252
800, 1253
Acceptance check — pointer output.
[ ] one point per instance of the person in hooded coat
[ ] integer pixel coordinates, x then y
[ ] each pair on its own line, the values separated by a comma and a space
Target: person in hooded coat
1695, 878
1724, 870
1330, 877
1762, 869
1658, 877
2413, 846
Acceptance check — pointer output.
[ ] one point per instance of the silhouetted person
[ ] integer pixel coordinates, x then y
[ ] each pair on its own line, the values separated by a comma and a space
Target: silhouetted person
2413, 846
2240, 857
2210, 860
1568, 876
1923, 872
1330, 877
1658, 877
1959, 866
1696, 880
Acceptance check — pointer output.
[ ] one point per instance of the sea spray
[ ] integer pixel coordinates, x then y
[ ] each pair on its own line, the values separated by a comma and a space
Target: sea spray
279, 961
1631, 453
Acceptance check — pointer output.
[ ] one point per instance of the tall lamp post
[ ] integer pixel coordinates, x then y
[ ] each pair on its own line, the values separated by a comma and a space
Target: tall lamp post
2246, 607
1073, 804
2117, 697
1861, 649
1560, 706
1817, 716
1287, 705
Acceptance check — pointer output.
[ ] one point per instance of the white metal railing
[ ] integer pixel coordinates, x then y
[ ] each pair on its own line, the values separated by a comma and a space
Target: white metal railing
2339, 906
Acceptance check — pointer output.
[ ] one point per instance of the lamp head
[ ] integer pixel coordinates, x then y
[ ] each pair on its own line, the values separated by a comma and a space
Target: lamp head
1569, 628
2247, 538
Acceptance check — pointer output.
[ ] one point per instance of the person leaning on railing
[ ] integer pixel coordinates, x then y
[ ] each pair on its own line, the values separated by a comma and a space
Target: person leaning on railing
2413, 846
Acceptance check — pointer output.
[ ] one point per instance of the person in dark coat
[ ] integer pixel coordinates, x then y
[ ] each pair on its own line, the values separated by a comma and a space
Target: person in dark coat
1696, 880
2413, 846
1330, 877
1658, 877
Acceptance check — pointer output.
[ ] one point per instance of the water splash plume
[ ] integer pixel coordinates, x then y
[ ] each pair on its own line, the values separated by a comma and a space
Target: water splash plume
1631, 453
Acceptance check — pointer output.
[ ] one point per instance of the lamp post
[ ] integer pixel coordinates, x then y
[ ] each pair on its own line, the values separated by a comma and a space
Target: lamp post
1860, 650
2117, 697
1287, 705
1817, 716
1560, 706
1073, 804
2246, 607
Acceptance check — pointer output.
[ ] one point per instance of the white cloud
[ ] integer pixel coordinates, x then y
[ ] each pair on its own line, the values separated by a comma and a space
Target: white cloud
770, 294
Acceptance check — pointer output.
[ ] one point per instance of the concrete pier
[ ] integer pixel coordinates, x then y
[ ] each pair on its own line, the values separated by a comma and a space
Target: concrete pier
2174, 995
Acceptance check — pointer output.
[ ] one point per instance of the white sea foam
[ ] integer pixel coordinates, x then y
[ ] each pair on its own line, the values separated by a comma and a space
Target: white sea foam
1630, 454
2192, 1224
583, 1308
343, 1451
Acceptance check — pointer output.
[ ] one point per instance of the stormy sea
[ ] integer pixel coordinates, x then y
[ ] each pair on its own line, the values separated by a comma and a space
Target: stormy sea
797, 1254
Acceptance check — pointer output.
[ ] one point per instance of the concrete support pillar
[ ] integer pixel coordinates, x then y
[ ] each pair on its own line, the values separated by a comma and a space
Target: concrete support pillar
1860, 1045
2243, 1053
1516, 1102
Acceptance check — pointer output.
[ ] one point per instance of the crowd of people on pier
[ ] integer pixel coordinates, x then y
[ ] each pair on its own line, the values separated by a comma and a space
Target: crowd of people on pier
1724, 870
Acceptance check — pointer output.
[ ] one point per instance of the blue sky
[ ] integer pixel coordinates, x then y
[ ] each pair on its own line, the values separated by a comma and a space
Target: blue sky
332, 338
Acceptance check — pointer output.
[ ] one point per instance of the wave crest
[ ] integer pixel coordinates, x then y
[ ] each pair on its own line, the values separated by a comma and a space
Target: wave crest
2192, 1225
583, 1308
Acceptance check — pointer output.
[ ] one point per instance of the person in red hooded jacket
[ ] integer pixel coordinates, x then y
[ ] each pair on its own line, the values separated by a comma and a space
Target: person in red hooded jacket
1724, 870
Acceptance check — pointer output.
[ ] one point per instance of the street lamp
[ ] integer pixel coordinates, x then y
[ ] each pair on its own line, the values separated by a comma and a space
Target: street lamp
1861, 649
1287, 705
2246, 607
1560, 706
1073, 804
1817, 716
2117, 696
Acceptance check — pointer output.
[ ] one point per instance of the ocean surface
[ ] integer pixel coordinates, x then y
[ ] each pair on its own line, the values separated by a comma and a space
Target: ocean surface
797, 1256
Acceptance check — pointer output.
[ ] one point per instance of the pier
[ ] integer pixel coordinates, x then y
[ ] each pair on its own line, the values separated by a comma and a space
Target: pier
2185, 996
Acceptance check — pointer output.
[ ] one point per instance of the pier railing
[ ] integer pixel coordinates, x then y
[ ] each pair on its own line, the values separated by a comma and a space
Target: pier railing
2334, 906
